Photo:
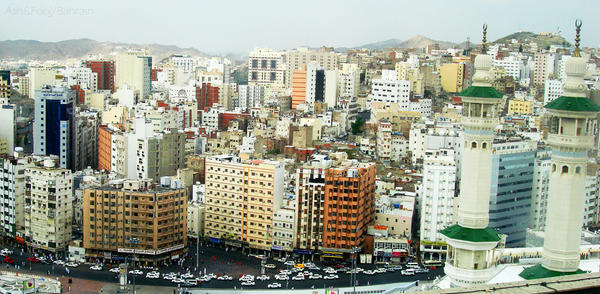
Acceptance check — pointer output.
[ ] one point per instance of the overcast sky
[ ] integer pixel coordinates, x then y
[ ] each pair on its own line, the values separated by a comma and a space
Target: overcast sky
223, 26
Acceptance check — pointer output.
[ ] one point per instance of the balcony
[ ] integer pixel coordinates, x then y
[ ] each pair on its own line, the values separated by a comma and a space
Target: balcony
466, 277
580, 143
479, 123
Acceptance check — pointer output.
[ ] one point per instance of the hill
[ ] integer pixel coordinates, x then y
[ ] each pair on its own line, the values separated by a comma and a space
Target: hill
418, 41
543, 41
79, 48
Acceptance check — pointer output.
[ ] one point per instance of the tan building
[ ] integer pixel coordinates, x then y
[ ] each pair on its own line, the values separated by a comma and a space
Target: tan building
300, 57
452, 77
134, 217
516, 106
241, 198
48, 206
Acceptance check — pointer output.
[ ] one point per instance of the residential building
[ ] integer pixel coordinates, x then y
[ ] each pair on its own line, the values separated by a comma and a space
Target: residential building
250, 96
297, 59
241, 198
105, 70
349, 207
134, 69
8, 125
39, 77
384, 140
13, 178
439, 202
310, 204
553, 89
539, 195
389, 90
48, 207
543, 67
520, 106
53, 127
5, 86
284, 230
266, 67
134, 219
453, 76
85, 139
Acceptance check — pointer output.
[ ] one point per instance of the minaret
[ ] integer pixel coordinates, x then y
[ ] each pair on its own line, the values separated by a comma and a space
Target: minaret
570, 136
469, 260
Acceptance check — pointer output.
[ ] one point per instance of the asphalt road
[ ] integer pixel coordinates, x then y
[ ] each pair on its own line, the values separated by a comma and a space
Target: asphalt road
233, 263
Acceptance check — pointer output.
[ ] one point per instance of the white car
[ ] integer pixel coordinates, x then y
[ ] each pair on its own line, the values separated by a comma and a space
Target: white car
152, 276
191, 282
169, 277
225, 278
298, 278
72, 264
270, 265
212, 276
285, 272
282, 277
136, 272
315, 277
178, 281
248, 283
408, 272
274, 285
187, 275
114, 270
331, 277
6, 251
59, 262
247, 278
96, 268
289, 263
263, 278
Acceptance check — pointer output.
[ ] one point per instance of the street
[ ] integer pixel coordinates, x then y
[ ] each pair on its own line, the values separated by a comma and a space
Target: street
218, 261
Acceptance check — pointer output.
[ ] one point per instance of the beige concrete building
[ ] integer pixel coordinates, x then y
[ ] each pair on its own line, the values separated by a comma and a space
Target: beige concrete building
452, 76
516, 106
195, 220
134, 218
300, 57
241, 198
39, 76
48, 206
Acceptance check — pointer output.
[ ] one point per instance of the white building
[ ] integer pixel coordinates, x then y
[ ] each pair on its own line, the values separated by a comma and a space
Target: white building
389, 90
184, 62
81, 76
439, 202
250, 96
49, 210
12, 176
384, 140
40, 76
552, 89
8, 125
266, 67
539, 197
422, 105
512, 64
195, 219
284, 229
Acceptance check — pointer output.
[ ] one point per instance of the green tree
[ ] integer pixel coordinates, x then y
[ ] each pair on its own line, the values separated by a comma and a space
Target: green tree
357, 126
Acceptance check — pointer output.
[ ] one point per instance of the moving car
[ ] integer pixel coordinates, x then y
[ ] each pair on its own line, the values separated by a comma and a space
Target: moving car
421, 270
282, 277
136, 272
289, 262
59, 262
114, 270
33, 259
263, 278
178, 281
408, 272
298, 278
152, 275
270, 265
72, 264
225, 278
248, 283
8, 260
274, 285
6, 252
331, 277
191, 282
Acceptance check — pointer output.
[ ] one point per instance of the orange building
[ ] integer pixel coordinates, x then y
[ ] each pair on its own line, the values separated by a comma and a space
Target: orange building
298, 87
104, 148
349, 207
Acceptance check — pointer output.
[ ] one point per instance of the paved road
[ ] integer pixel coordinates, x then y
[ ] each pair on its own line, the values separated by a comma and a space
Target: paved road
233, 263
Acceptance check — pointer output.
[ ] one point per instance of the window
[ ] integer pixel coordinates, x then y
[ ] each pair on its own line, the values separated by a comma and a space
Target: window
565, 169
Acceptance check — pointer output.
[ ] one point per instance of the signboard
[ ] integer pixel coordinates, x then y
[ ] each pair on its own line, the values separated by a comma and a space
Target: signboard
383, 228
332, 291
303, 252
149, 252
432, 243
377, 231
277, 247
214, 240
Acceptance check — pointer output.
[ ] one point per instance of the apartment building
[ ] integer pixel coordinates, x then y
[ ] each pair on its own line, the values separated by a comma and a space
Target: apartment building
48, 206
384, 140
12, 178
284, 230
241, 198
134, 219
439, 201
266, 67
300, 57
310, 204
134, 69
349, 207
389, 90
543, 67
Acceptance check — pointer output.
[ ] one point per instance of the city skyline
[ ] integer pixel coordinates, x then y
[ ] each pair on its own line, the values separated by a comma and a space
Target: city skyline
311, 24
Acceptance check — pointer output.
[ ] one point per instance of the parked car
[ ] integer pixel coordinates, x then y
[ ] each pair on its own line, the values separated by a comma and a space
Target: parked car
248, 283
274, 285
298, 278
263, 278
331, 277
191, 282
96, 267
225, 278
289, 262
421, 270
6, 252
178, 281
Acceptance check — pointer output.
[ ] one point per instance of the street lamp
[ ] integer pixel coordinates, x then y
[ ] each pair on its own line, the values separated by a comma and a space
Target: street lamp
134, 241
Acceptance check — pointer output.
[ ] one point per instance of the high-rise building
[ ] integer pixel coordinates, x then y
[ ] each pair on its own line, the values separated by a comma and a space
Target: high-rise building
469, 259
511, 189
85, 139
452, 76
207, 95
250, 96
134, 69
159, 155
266, 67
53, 127
571, 135
241, 198
348, 207
41, 76
297, 59
105, 69
13, 195
544, 66
48, 206
438, 201
310, 202
384, 140
5, 87
308, 86
8, 125
134, 219
539, 194
553, 89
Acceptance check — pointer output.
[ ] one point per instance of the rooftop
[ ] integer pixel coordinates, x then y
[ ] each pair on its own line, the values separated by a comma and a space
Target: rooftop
458, 232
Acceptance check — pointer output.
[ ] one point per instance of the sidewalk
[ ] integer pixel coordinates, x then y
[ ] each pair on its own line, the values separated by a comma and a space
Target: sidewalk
81, 286
139, 289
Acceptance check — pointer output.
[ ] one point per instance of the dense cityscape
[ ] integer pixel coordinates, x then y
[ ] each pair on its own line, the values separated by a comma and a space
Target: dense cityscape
421, 166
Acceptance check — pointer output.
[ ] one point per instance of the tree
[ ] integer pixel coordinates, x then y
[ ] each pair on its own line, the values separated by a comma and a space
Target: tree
357, 126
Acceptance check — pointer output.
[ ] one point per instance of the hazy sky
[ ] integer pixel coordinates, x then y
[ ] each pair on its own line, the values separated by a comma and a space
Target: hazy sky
221, 26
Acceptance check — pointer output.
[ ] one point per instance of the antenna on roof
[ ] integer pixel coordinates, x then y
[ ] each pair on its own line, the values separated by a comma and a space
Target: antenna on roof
577, 37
